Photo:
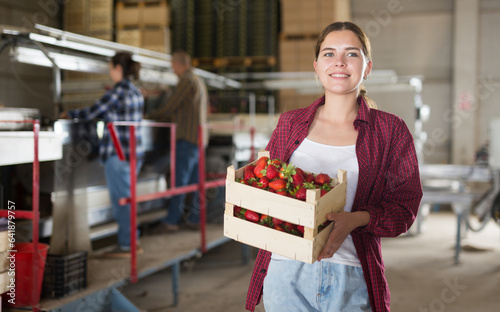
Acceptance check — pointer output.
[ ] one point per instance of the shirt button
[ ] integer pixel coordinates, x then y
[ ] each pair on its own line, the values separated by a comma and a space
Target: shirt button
297, 142
263, 271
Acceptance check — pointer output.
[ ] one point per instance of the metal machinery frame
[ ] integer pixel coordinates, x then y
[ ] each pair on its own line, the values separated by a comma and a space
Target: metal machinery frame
12, 214
134, 199
61, 50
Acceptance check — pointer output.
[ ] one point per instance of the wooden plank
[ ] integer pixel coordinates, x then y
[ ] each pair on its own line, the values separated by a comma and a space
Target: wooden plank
333, 201
262, 237
4, 241
279, 206
4, 261
4, 282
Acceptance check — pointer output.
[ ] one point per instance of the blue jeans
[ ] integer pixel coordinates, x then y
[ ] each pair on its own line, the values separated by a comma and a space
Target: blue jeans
322, 286
186, 172
118, 180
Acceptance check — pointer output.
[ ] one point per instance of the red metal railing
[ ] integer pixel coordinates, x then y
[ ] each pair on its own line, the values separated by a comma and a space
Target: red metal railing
34, 213
201, 187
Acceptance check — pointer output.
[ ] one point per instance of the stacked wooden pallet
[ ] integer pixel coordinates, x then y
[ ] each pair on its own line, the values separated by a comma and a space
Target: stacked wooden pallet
143, 24
92, 18
302, 21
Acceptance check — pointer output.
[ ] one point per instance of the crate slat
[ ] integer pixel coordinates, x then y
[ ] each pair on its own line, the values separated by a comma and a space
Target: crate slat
269, 239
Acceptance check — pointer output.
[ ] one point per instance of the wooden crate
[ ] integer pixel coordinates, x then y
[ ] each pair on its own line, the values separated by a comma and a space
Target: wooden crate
155, 39
297, 55
88, 15
141, 14
310, 214
310, 17
290, 99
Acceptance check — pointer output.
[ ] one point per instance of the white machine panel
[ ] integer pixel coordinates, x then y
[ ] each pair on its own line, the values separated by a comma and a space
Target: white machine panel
494, 157
17, 147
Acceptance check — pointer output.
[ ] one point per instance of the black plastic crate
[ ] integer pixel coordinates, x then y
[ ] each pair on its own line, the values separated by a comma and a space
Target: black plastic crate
64, 275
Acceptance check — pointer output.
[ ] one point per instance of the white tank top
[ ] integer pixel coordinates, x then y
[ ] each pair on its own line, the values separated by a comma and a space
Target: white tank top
321, 158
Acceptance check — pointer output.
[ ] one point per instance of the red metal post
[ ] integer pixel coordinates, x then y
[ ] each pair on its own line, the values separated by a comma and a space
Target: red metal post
116, 141
36, 194
201, 188
133, 206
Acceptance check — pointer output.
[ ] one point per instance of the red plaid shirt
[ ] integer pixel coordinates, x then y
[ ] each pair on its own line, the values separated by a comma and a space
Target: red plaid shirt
388, 188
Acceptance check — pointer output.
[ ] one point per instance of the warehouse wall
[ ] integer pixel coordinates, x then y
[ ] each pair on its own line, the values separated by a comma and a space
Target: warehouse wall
26, 85
488, 90
413, 38
416, 38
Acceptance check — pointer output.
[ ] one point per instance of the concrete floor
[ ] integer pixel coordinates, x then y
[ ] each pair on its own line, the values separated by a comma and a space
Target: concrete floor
420, 270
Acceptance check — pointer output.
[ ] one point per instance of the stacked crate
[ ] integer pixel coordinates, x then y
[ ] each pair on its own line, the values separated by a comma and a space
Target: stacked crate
302, 21
143, 24
227, 35
93, 18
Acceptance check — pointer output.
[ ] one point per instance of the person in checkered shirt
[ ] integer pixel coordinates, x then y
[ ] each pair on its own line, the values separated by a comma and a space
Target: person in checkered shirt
123, 102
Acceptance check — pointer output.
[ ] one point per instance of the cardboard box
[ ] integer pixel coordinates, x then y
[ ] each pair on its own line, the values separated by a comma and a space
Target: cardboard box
297, 55
152, 39
142, 14
310, 214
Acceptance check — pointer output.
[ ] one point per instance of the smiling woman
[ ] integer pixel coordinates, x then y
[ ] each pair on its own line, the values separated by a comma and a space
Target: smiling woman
343, 130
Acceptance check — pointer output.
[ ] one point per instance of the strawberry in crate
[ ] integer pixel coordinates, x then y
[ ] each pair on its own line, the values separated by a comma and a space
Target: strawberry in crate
281, 178
284, 179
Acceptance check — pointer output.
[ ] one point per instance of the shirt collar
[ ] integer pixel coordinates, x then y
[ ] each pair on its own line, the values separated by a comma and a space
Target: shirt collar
363, 110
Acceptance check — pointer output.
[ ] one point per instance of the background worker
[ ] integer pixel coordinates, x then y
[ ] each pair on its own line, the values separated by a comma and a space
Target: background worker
187, 107
123, 102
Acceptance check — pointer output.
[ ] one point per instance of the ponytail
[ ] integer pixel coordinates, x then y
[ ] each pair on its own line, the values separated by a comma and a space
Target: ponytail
129, 66
362, 92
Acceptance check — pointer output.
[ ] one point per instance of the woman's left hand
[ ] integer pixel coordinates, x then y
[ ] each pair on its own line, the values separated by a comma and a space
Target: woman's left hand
345, 222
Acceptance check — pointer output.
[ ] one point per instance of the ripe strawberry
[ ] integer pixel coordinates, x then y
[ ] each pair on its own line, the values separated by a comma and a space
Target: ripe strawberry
300, 229
286, 171
282, 192
322, 179
239, 212
298, 179
277, 221
266, 220
263, 183
255, 183
252, 216
323, 192
278, 184
301, 194
290, 227
248, 173
300, 171
278, 227
260, 167
243, 181
271, 172
309, 177
276, 162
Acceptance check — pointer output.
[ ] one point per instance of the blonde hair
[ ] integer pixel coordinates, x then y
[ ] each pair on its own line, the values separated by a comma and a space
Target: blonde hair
365, 43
